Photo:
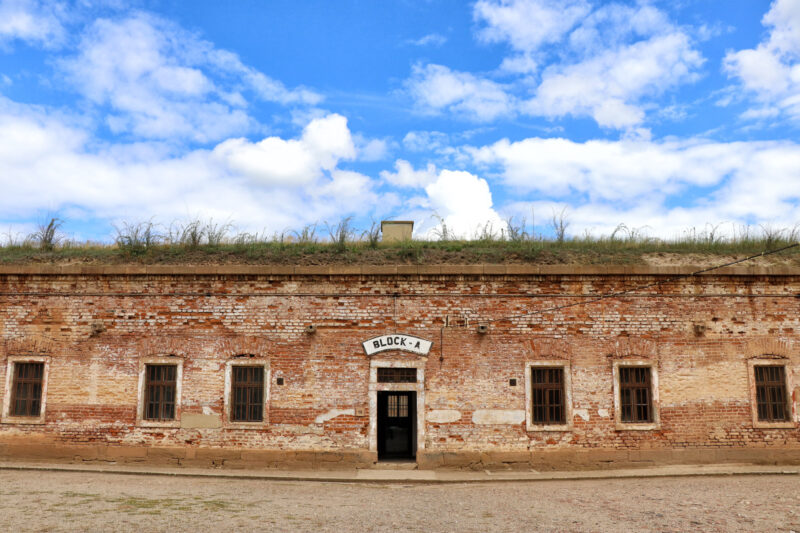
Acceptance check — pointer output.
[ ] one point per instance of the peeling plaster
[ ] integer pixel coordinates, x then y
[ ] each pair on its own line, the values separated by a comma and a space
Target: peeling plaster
443, 416
333, 413
498, 416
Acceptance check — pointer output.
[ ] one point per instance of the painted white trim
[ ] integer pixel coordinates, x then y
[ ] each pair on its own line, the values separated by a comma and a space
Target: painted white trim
548, 363
12, 360
787, 374
226, 416
375, 387
635, 426
397, 341
160, 360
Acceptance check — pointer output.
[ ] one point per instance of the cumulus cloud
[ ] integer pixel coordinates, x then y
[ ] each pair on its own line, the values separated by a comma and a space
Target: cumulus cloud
437, 88
771, 71
48, 162
603, 62
406, 176
464, 203
32, 21
459, 200
528, 24
276, 161
627, 176
610, 86
161, 82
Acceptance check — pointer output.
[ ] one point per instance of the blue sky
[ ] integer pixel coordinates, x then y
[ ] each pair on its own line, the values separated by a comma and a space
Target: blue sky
271, 115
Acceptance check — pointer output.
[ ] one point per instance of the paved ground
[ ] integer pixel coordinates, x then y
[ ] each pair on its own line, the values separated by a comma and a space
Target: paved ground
72, 501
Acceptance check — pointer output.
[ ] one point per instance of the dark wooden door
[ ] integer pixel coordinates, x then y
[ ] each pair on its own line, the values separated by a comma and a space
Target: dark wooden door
396, 425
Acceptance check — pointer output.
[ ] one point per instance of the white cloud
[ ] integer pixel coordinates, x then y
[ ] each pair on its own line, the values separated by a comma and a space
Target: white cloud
611, 178
464, 203
609, 86
406, 176
431, 39
48, 163
162, 82
605, 62
771, 71
437, 88
371, 149
293, 162
32, 21
528, 24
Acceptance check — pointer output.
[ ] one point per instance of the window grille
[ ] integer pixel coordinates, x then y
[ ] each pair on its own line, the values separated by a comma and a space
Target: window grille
635, 394
397, 406
397, 375
160, 387
248, 394
771, 397
547, 386
27, 389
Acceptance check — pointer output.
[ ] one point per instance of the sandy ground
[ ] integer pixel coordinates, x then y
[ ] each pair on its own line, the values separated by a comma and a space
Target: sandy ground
59, 501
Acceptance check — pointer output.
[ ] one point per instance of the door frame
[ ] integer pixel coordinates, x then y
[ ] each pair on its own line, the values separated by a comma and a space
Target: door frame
418, 387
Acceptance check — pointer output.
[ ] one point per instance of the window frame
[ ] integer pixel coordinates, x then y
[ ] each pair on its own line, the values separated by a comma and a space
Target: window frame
654, 396
790, 400
172, 360
566, 368
228, 399
8, 393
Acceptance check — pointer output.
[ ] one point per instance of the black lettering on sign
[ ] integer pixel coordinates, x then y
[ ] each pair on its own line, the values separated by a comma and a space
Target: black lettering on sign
382, 343
402, 341
376, 344
416, 346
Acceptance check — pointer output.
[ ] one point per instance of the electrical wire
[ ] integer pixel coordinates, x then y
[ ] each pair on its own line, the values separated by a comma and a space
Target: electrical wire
638, 288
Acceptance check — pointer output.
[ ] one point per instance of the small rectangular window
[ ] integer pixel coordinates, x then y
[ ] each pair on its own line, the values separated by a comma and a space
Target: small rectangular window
547, 392
397, 375
635, 394
248, 394
27, 389
160, 387
397, 406
771, 397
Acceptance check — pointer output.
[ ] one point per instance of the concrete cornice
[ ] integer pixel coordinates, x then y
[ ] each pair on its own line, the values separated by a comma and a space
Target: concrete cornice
385, 270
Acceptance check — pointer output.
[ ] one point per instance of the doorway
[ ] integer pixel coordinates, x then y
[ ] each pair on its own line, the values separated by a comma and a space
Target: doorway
397, 432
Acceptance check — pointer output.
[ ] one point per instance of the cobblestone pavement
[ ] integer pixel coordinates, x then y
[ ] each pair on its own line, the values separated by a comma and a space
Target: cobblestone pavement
61, 501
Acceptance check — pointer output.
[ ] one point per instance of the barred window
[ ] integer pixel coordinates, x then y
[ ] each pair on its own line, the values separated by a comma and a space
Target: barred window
397, 406
248, 394
397, 375
160, 387
547, 393
635, 394
27, 389
771, 397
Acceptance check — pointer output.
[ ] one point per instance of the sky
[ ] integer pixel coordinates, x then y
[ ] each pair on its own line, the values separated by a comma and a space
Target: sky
668, 117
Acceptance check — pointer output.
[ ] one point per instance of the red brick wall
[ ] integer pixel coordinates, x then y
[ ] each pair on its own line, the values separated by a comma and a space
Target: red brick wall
698, 334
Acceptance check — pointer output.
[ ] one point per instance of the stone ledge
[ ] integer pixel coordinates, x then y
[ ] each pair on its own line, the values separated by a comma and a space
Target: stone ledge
385, 270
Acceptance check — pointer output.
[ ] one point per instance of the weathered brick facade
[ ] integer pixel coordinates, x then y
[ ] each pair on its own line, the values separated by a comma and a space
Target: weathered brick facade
95, 328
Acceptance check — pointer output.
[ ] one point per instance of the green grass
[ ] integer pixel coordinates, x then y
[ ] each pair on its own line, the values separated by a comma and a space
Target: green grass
346, 248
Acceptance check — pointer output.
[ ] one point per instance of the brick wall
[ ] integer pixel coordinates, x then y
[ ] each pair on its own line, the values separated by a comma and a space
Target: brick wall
96, 325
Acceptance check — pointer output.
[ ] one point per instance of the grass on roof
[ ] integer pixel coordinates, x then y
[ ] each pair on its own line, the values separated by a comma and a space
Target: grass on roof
197, 243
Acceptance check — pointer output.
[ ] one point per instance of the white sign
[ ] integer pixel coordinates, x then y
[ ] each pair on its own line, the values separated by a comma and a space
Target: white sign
407, 343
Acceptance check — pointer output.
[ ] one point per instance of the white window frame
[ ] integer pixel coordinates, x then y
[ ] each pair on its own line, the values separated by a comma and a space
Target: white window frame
228, 403
7, 418
787, 375
548, 363
637, 426
160, 360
